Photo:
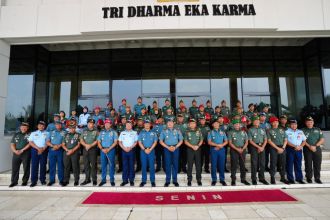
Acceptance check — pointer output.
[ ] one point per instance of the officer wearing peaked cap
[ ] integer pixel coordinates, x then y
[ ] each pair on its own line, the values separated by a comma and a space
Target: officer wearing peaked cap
313, 151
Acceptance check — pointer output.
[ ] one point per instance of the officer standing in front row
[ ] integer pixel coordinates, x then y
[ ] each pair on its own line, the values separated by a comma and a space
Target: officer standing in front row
107, 142
277, 139
21, 154
54, 142
313, 151
296, 142
258, 141
37, 141
147, 142
71, 155
171, 139
128, 141
193, 139
88, 140
217, 139
238, 143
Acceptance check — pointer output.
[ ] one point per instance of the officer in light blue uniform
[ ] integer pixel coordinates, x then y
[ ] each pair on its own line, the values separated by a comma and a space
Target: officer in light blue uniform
122, 107
296, 142
171, 139
55, 153
128, 141
147, 142
217, 140
51, 126
107, 142
37, 141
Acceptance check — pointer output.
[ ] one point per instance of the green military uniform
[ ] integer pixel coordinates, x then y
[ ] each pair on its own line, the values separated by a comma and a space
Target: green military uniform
277, 136
129, 116
70, 141
209, 110
193, 110
165, 108
258, 136
250, 114
183, 148
313, 160
205, 157
20, 140
90, 156
194, 137
238, 138
199, 115
155, 113
225, 111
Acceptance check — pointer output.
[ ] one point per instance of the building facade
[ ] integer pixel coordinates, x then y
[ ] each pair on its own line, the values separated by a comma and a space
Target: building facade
57, 55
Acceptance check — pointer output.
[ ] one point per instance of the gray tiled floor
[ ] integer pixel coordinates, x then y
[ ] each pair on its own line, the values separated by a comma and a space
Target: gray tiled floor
312, 204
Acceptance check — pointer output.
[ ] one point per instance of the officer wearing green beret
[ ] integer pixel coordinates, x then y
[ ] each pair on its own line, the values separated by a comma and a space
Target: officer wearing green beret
277, 139
193, 110
182, 126
193, 139
88, 140
71, 156
166, 107
313, 151
238, 143
205, 129
258, 140
224, 109
208, 108
20, 147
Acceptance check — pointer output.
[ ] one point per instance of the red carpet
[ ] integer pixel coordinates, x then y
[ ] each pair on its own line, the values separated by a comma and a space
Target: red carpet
172, 198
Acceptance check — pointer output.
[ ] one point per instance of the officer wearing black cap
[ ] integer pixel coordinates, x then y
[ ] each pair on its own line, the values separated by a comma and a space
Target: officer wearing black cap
313, 151
88, 140
193, 139
21, 154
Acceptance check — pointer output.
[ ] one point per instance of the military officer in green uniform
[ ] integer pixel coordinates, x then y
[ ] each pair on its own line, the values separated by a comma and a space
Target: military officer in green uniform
216, 114
251, 112
169, 116
277, 139
224, 109
201, 112
258, 140
284, 122
193, 110
71, 145
313, 151
238, 143
181, 106
20, 147
208, 108
144, 115
193, 139
88, 140
129, 114
182, 126
166, 107
155, 112
205, 157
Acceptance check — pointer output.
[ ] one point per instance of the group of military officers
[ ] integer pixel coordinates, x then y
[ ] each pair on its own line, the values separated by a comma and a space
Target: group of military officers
173, 139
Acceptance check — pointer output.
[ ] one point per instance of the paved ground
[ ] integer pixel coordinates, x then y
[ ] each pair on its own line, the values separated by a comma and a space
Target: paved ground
314, 203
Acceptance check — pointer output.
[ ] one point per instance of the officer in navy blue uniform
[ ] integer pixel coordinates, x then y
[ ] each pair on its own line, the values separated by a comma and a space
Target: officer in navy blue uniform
55, 155
217, 140
39, 153
147, 142
107, 141
171, 139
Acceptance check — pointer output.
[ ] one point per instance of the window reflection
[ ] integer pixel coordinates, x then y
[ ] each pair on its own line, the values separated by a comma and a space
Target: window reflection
128, 89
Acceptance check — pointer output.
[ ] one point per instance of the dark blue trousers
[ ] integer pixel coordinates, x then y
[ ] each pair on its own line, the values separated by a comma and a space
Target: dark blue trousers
171, 165
128, 166
56, 158
36, 162
218, 159
293, 162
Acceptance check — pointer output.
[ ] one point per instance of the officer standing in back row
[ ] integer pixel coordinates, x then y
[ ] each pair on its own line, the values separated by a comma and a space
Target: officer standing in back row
21, 154
313, 151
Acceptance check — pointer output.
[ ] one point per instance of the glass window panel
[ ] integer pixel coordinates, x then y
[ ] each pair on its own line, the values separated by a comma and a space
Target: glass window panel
156, 86
18, 101
192, 86
326, 84
220, 90
129, 89
95, 88
65, 93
